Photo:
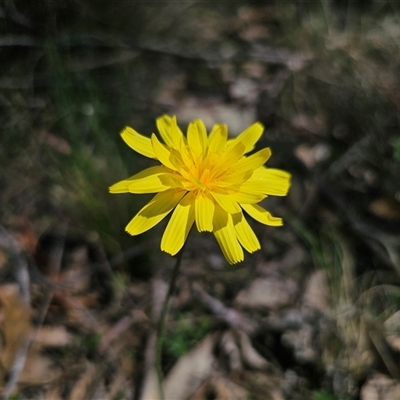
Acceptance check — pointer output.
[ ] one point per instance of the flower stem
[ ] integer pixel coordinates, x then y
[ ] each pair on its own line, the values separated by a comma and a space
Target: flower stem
161, 323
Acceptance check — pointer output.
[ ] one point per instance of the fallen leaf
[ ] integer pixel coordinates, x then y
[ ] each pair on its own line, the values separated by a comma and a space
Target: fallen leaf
38, 369
231, 349
52, 336
15, 325
3, 259
81, 387
302, 343
190, 371
316, 293
250, 355
385, 207
272, 293
380, 387
311, 156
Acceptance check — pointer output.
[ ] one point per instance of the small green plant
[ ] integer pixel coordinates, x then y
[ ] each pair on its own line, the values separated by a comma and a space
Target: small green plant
14, 397
396, 149
120, 282
185, 333
324, 395
91, 342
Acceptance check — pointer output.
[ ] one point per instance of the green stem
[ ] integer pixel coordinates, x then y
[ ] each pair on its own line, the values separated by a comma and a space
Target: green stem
161, 322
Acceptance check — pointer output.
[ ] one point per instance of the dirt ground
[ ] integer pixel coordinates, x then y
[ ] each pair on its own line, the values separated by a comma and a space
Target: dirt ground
313, 315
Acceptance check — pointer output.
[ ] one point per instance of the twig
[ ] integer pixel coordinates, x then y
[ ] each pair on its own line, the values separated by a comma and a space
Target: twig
121, 326
232, 317
355, 152
21, 266
12, 12
16, 369
19, 40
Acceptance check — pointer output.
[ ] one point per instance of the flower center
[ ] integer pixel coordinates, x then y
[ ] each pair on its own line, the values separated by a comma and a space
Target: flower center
204, 174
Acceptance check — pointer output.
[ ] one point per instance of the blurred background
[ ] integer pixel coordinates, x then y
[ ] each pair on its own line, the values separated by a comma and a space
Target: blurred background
314, 314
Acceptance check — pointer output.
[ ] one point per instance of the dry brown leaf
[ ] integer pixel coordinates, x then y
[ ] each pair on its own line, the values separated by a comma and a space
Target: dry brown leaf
23, 233
190, 371
268, 386
53, 394
38, 369
385, 207
316, 293
231, 349
15, 324
314, 125
302, 343
122, 382
150, 390
250, 355
380, 387
225, 389
52, 336
80, 389
311, 156
272, 293
3, 259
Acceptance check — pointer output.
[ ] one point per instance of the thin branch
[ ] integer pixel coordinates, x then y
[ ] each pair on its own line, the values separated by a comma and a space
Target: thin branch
21, 265
232, 317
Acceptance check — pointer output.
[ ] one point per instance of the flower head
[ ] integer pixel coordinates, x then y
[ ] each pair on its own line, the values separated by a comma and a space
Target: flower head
205, 179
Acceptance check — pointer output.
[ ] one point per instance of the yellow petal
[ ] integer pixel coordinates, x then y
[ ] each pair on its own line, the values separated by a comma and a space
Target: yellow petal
233, 179
182, 157
244, 169
138, 142
250, 136
164, 127
275, 181
231, 155
253, 187
119, 187
162, 153
245, 234
179, 225
176, 134
226, 202
204, 211
251, 191
217, 139
253, 162
261, 215
150, 180
247, 197
197, 137
225, 233
154, 211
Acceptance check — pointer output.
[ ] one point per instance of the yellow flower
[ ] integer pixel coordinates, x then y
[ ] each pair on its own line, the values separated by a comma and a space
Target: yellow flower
205, 179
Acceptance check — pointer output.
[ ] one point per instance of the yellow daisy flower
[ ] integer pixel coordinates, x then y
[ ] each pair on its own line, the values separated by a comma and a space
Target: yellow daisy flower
206, 179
